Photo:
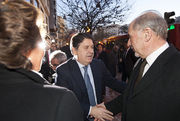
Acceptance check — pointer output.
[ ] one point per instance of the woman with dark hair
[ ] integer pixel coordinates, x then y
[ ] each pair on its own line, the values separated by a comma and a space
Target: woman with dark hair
25, 95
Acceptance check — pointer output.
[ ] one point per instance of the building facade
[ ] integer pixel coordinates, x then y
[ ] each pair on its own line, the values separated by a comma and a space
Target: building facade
48, 7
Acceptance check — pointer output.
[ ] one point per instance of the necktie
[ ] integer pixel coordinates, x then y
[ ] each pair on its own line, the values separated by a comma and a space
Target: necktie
89, 87
141, 70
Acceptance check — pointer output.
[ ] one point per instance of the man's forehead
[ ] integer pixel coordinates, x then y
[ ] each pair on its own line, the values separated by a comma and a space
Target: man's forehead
87, 42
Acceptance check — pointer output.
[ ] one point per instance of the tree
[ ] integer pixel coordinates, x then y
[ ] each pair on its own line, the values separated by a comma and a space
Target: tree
124, 29
100, 34
87, 15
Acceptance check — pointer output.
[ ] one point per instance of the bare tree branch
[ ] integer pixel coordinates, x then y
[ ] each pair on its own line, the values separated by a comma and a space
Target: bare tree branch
84, 14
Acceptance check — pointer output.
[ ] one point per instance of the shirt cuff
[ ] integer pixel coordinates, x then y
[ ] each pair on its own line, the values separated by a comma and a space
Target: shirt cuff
89, 111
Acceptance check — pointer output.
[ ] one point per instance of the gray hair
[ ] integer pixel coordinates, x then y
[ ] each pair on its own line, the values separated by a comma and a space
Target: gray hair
153, 20
58, 54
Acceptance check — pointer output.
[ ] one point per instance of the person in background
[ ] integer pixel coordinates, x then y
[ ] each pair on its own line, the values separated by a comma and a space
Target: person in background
46, 69
153, 92
111, 60
87, 77
25, 95
53, 46
101, 54
56, 58
66, 49
99, 51
129, 59
120, 58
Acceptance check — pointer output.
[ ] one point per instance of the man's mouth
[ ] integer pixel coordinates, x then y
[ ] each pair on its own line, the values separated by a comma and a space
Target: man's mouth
90, 56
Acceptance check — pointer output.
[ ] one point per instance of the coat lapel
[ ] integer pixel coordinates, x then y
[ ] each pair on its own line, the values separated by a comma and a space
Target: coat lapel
33, 76
77, 76
96, 80
151, 75
155, 71
133, 77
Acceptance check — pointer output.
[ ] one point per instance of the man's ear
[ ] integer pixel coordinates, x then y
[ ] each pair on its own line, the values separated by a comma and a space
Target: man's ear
74, 51
147, 34
28, 53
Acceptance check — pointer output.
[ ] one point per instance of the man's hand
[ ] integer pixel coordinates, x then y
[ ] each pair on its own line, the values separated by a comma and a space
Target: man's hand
101, 105
99, 112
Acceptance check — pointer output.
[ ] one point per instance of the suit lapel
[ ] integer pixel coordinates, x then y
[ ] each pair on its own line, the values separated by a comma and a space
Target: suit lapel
133, 77
96, 80
77, 76
151, 75
154, 71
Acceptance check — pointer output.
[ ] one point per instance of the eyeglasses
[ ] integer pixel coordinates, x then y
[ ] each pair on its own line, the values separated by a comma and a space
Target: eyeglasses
55, 65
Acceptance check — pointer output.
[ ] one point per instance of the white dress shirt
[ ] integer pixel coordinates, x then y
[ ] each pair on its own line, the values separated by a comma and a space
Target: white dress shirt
91, 79
153, 56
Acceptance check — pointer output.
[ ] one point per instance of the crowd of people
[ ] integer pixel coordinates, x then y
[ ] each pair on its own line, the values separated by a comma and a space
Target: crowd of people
118, 58
44, 83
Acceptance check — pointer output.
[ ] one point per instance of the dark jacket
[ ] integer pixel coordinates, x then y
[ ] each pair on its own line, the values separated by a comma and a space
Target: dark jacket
128, 62
69, 75
157, 95
25, 96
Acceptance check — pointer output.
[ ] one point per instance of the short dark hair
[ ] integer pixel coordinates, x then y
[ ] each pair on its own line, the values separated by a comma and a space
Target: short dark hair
18, 33
78, 38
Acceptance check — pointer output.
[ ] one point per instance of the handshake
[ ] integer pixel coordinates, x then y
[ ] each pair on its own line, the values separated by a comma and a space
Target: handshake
100, 113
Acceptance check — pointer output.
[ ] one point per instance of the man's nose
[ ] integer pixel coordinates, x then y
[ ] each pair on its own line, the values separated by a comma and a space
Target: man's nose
91, 50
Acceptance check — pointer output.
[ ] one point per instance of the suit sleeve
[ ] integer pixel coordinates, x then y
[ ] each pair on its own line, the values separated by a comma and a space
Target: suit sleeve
112, 82
115, 106
64, 81
69, 108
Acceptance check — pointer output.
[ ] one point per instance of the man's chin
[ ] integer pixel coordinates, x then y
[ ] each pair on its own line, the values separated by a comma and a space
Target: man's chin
136, 54
89, 60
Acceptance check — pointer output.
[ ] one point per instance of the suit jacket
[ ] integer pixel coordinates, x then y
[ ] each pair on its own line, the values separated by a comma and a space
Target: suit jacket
69, 75
25, 96
157, 96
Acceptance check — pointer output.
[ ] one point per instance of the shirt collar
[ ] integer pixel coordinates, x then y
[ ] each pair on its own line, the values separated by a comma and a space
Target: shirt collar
37, 73
153, 56
81, 65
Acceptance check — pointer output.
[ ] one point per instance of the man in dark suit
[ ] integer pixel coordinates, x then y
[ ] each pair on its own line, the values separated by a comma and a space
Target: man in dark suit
156, 95
71, 75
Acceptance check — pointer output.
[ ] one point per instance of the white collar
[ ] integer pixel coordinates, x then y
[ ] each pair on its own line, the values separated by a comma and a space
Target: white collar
37, 73
153, 56
81, 65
